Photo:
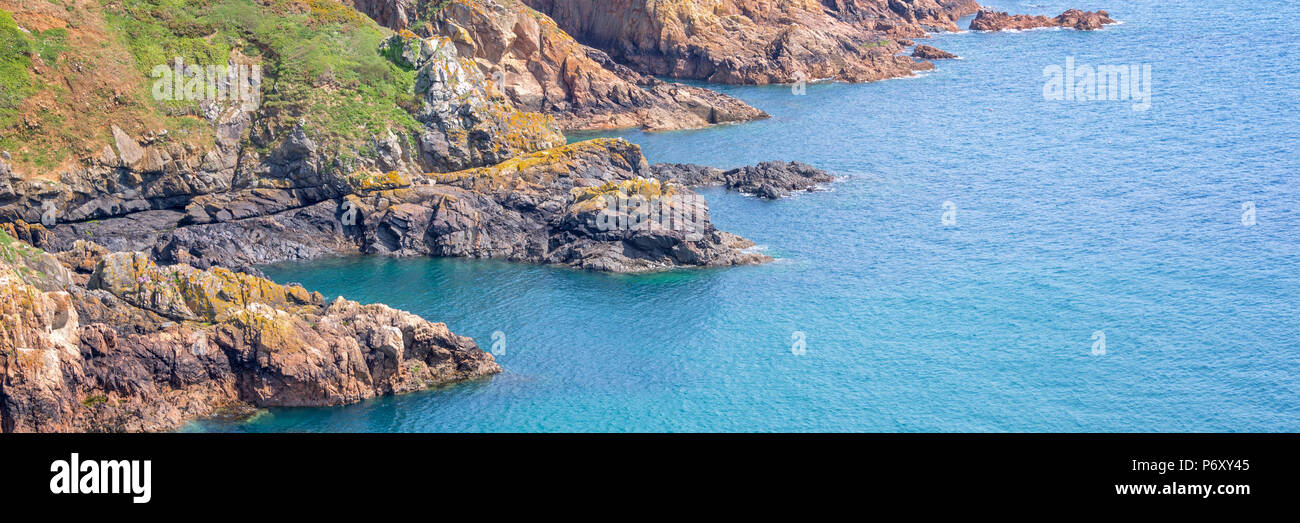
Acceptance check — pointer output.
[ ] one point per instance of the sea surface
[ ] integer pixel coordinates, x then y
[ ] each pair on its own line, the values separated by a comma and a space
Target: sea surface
1066, 222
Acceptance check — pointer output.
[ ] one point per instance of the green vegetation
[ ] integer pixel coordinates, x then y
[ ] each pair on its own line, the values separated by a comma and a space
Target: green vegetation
91, 401
321, 67
11, 250
321, 60
15, 81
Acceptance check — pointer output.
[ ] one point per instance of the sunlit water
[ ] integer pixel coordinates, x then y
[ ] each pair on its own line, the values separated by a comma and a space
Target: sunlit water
1073, 220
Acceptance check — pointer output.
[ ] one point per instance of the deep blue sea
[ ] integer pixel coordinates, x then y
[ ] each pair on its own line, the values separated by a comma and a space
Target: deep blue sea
1068, 222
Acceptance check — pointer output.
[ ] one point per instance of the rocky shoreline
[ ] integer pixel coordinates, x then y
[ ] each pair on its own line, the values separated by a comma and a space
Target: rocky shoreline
132, 300
754, 42
96, 341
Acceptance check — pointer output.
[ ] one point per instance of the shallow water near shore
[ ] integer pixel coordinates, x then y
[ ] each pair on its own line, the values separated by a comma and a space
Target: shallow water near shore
1073, 220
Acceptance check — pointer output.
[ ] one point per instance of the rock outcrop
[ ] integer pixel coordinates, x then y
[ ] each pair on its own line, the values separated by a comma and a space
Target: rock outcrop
94, 341
926, 52
1073, 18
542, 69
525, 209
909, 18
767, 180
553, 206
269, 188
742, 41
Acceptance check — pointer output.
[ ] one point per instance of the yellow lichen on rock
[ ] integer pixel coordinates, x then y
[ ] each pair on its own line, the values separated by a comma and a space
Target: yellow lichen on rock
373, 181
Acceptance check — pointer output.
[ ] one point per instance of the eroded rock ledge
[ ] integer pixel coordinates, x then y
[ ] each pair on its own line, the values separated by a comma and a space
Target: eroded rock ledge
1073, 18
538, 208
96, 341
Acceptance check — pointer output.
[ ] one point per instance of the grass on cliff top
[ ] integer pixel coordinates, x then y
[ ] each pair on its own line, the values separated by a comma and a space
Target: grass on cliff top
69, 69
321, 60
18, 49
15, 85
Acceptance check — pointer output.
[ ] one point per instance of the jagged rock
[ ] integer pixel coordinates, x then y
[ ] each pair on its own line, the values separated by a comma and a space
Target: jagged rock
467, 122
768, 180
1074, 18
542, 69
145, 348
909, 18
532, 209
514, 210
740, 41
931, 53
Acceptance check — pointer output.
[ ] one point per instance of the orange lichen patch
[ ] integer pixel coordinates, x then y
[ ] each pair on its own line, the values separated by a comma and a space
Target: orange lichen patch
372, 181
534, 169
266, 328
186, 293
596, 197
330, 11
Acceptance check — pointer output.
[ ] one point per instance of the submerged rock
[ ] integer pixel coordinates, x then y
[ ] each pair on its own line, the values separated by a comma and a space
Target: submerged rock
134, 346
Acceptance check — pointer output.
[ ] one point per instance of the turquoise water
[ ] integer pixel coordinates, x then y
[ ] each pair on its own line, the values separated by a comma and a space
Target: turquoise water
1071, 218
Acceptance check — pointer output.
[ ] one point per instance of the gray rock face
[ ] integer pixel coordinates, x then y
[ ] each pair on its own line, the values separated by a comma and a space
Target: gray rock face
768, 180
548, 207
560, 206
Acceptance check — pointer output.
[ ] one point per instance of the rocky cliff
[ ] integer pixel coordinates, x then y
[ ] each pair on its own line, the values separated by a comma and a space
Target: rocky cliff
910, 17
756, 42
342, 166
540, 68
1073, 18
97, 341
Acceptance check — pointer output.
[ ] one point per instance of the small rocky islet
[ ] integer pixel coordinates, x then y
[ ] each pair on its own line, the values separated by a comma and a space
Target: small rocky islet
129, 244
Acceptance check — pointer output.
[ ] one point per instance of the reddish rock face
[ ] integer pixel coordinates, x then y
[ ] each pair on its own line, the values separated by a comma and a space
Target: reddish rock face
753, 41
133, 346
1074, 18
930, 53
542, 69
902, 16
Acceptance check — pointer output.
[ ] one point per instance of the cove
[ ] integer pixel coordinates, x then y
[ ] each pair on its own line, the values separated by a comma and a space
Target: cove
1070, 218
